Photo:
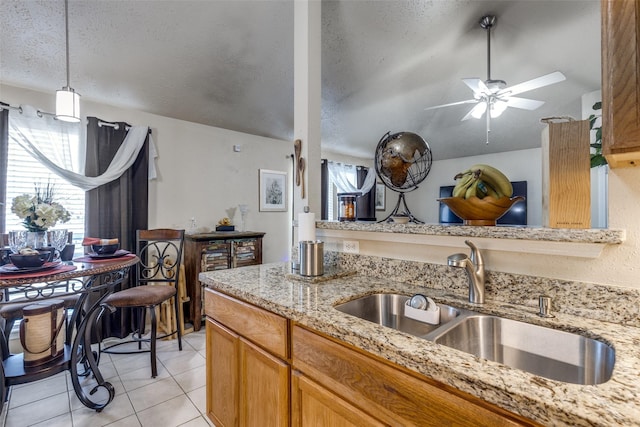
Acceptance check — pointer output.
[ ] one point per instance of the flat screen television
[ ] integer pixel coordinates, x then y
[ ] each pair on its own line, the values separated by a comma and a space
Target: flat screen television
517, 215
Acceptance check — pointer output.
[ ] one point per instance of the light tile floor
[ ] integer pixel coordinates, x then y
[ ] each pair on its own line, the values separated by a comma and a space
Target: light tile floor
176, 397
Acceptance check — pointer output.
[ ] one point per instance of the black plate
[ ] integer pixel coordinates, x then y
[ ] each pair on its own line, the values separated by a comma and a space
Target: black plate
12, 269
118, 253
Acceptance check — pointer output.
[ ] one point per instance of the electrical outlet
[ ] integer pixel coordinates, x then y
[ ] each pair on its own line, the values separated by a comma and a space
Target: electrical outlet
351, 246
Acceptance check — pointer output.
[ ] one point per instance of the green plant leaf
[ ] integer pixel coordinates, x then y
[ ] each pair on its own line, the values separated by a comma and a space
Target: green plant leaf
597, 105
599, 134
598, 160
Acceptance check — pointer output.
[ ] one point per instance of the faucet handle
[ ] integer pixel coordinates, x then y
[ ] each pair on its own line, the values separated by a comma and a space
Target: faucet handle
476, 256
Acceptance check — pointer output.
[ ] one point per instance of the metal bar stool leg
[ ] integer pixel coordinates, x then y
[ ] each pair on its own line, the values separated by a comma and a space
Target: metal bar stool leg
154, 368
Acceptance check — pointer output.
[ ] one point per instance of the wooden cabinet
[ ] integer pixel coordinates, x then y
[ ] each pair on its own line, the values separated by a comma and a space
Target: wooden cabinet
315, 406
248, 375
222, 374
389, 394
621, 82
216, 251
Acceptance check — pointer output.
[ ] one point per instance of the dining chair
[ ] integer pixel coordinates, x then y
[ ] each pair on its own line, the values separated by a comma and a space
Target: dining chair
157, 276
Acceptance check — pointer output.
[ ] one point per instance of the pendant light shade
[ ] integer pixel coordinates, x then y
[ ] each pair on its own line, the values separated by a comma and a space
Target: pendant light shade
67, 105
67, 100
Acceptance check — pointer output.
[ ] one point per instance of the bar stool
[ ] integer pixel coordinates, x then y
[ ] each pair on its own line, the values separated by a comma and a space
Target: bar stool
157, 275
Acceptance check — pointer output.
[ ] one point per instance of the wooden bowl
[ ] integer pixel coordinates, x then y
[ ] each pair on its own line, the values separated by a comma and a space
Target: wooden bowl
475, 211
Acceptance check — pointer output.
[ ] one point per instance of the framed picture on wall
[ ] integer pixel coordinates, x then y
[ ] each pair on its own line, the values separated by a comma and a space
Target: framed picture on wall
273, 191
380, 196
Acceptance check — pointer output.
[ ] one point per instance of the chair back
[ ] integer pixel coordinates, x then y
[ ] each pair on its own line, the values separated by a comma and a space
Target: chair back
160, 253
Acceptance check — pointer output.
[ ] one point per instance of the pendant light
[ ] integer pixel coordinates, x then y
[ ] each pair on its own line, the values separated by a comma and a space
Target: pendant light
67, 100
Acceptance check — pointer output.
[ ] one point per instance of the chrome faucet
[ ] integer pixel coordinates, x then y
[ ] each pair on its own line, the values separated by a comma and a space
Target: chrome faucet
474, 267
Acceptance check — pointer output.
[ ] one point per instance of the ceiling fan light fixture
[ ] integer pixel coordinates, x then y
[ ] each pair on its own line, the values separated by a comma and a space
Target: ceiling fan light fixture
67, 99
497, 108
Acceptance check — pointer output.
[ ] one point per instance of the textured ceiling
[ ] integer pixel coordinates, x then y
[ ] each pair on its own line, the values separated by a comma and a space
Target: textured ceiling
230, 63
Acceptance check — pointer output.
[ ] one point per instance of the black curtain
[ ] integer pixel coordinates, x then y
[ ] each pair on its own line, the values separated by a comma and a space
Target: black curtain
324, 189
4, 154
365, 204
119, 208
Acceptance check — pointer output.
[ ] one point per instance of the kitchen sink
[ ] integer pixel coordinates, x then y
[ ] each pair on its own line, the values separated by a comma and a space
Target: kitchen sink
546, 352
388, 310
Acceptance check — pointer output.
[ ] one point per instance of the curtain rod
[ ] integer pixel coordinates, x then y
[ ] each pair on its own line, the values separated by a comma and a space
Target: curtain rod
116, 126
19, 109
41, 114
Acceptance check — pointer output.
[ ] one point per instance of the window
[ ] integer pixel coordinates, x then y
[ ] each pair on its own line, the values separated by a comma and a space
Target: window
25, 172
332, 192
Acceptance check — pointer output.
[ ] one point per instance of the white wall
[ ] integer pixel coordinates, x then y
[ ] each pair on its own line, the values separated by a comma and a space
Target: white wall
199, 174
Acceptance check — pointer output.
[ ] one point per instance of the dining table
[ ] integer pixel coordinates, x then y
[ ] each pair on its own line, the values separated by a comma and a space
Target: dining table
90, 276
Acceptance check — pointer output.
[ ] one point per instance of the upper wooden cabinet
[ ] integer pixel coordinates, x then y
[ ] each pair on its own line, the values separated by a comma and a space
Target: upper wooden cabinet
621, 82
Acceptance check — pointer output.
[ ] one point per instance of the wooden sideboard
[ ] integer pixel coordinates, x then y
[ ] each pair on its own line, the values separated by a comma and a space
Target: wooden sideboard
216, 251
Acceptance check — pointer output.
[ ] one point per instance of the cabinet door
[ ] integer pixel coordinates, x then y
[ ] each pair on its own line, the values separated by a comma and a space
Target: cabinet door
315, 406
264, 388
387, 393
621, 82
222, 375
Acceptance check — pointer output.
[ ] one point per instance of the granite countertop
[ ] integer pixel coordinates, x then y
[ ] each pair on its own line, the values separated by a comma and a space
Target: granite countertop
591, 235
546, 401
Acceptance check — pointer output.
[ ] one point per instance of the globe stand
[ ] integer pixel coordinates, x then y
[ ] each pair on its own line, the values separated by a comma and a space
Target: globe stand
406, 211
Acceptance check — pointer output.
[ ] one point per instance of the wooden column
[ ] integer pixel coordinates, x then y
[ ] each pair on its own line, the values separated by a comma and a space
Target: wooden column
566, 176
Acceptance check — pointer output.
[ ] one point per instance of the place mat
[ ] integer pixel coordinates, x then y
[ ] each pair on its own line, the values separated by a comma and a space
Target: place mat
88, 258
13, 269
62, 268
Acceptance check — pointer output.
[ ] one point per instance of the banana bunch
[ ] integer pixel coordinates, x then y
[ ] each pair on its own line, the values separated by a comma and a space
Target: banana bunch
481, 181
224, 221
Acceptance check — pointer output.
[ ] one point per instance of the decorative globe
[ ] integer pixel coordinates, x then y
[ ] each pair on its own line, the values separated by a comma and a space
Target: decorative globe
403, 160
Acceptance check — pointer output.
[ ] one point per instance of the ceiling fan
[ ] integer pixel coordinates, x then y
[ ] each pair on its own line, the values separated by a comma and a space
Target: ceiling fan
493, 96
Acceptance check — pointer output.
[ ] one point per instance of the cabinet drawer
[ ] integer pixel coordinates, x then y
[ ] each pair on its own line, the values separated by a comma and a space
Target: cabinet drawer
389, 394
268, 330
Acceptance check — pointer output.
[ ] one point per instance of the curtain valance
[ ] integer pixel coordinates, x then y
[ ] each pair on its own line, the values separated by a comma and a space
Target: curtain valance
25, 125
339, 173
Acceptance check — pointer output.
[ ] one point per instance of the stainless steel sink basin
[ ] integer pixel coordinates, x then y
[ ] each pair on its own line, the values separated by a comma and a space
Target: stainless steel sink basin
388, 310
549, 353
546, 352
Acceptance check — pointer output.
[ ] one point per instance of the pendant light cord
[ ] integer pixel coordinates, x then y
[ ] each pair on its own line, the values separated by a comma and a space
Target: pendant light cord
66, 28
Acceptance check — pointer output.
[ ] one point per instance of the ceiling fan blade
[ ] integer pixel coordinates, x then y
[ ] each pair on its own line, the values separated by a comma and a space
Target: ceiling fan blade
476, 111
525, 104
468, 101
476, 85
545, 80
